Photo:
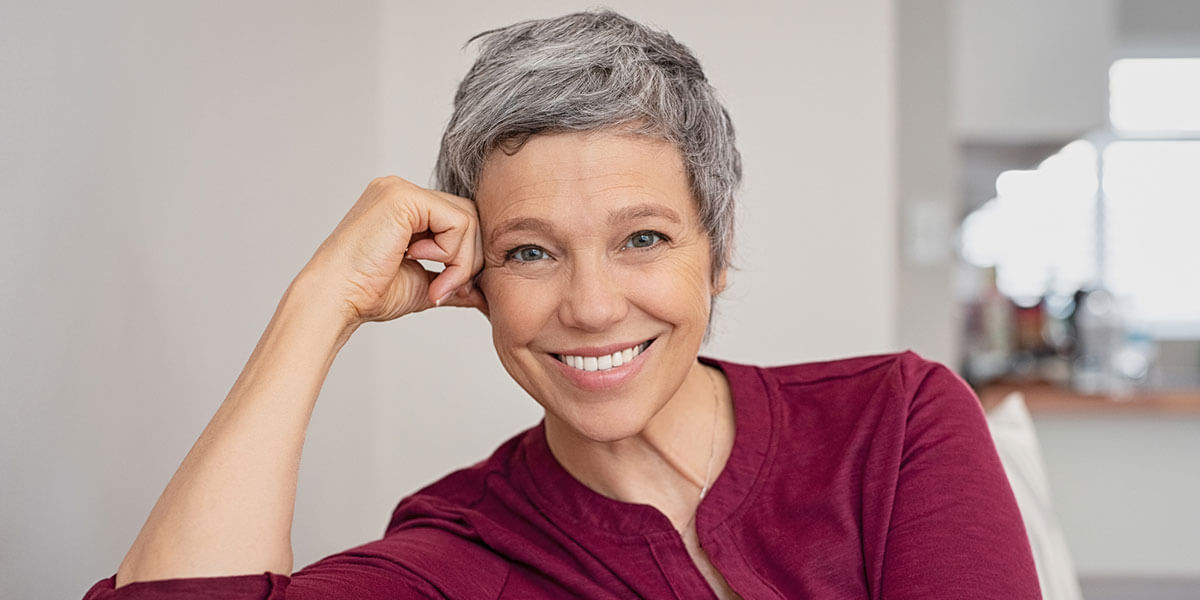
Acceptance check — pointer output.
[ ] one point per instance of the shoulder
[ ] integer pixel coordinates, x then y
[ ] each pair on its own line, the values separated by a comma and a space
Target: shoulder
894, 385
904, 401
904, 371
451, 497
904, 367
440, 532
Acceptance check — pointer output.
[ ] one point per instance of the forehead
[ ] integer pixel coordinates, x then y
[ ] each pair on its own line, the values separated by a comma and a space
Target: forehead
565, 174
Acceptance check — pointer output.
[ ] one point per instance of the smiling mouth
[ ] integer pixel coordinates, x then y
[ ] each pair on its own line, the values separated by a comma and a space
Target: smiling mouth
604, 362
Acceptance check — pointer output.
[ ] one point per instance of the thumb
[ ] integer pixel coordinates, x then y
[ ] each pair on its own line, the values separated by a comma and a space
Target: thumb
472, 299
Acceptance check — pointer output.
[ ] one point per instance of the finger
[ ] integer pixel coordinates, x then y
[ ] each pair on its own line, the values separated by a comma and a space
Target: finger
429, 217
408, 291
459, 201
445, 284
426, 249
469, 207
472, 299
462, 265
477, 262
449, 225
472, 252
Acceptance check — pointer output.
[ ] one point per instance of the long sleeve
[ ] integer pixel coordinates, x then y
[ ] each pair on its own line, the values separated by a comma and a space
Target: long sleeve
368, 572
267, 586
955, 528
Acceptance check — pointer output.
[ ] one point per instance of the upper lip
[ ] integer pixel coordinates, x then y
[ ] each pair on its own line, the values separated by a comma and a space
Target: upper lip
601, 350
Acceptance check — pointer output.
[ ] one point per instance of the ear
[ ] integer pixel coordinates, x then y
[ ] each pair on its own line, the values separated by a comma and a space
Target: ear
720, 282
481, 303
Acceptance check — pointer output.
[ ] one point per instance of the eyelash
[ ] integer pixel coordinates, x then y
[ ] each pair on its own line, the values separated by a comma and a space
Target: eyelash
662, 239
512, 254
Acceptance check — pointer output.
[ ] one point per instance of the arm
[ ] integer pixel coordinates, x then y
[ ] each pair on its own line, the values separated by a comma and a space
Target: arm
228, 510
955, 529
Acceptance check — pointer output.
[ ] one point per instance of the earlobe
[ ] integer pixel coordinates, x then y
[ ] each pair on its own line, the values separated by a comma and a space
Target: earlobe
720, 282
482, 304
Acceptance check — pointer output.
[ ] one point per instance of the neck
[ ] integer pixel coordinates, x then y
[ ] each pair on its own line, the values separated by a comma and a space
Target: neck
665, 465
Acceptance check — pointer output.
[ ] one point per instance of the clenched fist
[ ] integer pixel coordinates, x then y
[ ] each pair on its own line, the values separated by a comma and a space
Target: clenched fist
368, 265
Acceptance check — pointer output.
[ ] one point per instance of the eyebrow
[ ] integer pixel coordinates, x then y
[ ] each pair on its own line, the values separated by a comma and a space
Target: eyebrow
533, 224
639, 211
628, 213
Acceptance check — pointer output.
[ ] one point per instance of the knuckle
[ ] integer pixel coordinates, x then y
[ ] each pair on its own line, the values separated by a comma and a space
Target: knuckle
389, 181
468, 214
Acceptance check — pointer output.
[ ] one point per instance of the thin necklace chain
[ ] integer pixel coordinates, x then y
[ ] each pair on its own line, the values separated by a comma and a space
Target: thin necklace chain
712, 451
712, 447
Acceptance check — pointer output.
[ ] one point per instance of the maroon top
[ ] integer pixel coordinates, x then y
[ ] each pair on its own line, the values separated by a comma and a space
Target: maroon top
868, 477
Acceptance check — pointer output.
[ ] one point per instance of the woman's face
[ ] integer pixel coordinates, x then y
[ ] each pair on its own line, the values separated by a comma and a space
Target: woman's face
597, 275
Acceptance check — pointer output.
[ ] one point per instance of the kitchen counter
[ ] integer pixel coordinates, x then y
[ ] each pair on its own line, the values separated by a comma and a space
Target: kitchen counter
1044, 398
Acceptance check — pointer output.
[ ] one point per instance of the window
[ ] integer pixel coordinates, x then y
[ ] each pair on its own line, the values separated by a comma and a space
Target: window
1120, 207
1152, 212
1154, 95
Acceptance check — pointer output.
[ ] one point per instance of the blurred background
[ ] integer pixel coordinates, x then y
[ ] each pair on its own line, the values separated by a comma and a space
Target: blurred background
1005, 187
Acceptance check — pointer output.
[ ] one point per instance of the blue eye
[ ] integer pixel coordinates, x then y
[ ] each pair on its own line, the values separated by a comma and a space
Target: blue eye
644, 239
527, 254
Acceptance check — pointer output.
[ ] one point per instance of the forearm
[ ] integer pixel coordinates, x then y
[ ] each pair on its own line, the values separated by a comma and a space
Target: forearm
228, 509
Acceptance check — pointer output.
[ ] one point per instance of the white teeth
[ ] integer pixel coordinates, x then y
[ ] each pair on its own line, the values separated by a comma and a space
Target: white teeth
603, 363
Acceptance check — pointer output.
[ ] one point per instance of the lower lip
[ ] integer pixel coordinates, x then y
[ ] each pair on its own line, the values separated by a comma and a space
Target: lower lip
595, 381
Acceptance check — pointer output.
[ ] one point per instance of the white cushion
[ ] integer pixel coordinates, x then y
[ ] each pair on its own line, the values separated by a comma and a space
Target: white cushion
1016, 442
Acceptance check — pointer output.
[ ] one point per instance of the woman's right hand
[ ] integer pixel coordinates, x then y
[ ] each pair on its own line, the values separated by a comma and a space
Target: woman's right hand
229, 508
368, 265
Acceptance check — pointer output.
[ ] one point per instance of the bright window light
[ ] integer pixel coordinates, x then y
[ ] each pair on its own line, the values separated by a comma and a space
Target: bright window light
1152, 204
1155, 95
1039, 231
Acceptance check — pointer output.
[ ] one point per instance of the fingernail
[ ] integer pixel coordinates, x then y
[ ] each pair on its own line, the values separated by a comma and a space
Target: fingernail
439, 301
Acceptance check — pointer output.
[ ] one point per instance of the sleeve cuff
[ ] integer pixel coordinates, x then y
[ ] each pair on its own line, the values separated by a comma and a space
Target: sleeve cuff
265, 586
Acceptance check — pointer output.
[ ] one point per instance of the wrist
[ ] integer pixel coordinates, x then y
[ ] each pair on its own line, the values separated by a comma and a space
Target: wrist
308, 300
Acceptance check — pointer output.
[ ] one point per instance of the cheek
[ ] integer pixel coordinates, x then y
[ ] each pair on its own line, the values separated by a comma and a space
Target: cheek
518, 307
678, 290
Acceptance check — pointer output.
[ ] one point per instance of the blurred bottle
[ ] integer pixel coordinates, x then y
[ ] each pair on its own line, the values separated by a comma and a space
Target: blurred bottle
1030, 345
1100, 328
991, 337
1058, 333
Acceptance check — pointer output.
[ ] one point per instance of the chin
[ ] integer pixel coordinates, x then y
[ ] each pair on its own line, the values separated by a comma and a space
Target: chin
610, 424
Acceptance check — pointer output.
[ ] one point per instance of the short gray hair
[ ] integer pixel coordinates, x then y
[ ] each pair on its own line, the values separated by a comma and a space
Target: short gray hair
588, 71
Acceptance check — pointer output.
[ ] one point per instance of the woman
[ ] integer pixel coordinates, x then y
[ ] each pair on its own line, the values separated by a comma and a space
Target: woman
588, 175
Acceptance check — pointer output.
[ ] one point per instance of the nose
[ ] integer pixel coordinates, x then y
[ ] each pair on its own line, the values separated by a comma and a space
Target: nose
594, 298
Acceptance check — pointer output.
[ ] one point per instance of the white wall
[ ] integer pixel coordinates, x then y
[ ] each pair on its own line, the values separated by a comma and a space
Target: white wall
928, 316
1031, 70
1126, 490
168, 168
1169, 28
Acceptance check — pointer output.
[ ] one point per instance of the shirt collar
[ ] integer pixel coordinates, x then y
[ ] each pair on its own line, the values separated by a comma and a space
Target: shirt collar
568, 501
